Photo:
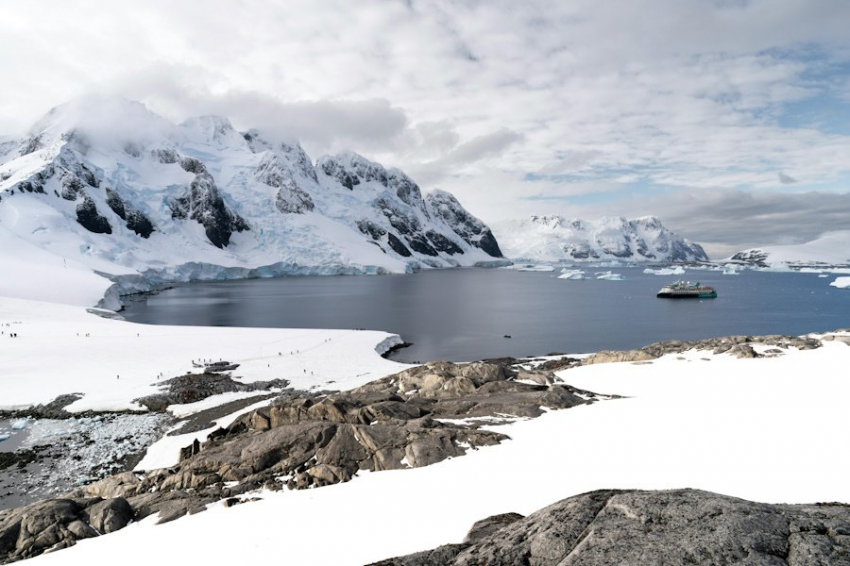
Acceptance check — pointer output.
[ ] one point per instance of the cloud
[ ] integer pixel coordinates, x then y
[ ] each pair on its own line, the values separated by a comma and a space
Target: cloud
787, 179
466, 153
700, 96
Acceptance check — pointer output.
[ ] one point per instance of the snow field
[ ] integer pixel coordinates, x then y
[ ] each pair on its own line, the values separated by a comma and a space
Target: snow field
725, 425
62, 349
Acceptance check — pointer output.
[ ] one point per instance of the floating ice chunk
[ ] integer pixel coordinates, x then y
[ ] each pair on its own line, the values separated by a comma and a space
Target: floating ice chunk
20, 424
4, 436
532, 267
678, 270
609, 276
612, 263
730, 270
841, 282
823, 275
573, 274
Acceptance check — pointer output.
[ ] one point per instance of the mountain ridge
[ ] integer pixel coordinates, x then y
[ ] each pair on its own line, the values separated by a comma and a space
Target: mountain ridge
555, 238
122, 190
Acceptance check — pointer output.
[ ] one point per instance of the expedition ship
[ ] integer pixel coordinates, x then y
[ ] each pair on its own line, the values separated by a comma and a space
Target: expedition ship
687, 290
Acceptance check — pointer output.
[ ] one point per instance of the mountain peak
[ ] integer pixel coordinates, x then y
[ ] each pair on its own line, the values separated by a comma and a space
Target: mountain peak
214, 129
102, 116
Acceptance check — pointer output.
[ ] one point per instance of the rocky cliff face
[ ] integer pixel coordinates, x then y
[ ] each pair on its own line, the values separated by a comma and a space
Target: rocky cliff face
128, 188
606, 528
554, 239
445, 206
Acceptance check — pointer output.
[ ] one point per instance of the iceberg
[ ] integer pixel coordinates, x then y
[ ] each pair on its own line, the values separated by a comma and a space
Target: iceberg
572, 274
533, 267
609, 276
841, 282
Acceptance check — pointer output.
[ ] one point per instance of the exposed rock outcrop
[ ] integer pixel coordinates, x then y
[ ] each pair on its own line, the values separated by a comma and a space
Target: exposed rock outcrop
136, 221
607, 528
58, 523
307, 439
738, 346
474, 232
203, 203
192, 387
415, 418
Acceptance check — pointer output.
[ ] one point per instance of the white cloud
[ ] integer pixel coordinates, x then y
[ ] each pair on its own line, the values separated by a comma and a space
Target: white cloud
473, 96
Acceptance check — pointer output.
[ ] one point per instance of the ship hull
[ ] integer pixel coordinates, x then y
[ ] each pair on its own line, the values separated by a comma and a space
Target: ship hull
664, 295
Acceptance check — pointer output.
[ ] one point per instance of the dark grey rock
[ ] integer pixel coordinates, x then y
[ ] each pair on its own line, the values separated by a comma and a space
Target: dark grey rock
135, 220
109, 515
116, 203
606, 528
486, 527
371, 229
193, 387
203, 203
90, 219
58, 523
473, 231
397, 245
140, 224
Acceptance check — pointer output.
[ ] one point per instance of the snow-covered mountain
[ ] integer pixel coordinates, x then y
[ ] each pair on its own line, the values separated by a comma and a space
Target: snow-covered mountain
104, 184
554, 239
831, 249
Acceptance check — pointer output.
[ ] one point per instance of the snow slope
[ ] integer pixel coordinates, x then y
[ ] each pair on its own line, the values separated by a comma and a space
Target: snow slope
103, 184
62, 349
705, 421
830, 249
556, 239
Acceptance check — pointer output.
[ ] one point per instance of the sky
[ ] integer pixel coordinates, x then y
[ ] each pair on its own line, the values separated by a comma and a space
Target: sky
728, 119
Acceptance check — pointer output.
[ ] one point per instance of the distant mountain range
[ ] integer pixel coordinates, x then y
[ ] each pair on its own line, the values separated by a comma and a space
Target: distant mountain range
106, 182
557, 239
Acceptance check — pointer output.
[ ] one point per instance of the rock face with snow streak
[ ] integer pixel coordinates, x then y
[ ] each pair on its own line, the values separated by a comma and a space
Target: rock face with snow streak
445, 206
107, 182
606, 528
555, 239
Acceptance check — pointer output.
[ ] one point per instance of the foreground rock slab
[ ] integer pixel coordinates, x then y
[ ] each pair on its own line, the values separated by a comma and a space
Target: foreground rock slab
606, 528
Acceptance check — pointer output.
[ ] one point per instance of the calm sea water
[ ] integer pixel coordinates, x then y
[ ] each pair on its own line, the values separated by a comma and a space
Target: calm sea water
463, 314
